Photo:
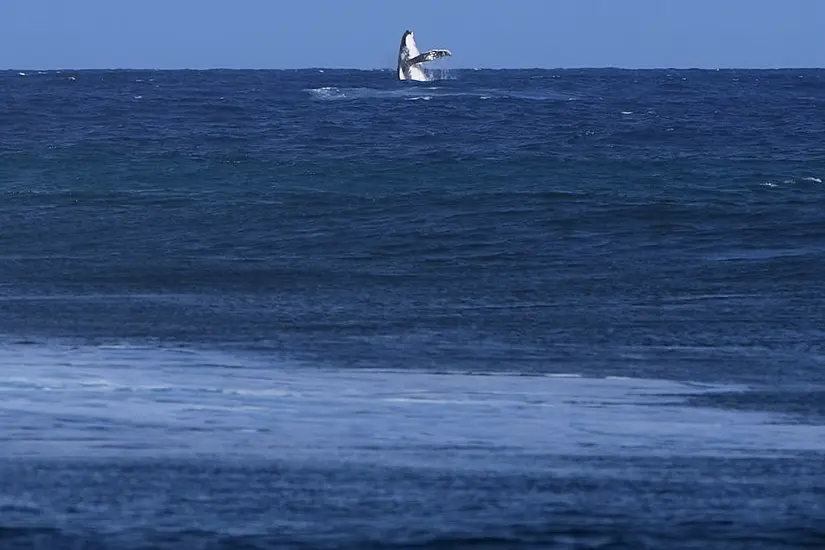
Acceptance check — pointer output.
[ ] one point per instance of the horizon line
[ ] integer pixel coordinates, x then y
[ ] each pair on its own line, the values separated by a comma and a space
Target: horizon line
382, 69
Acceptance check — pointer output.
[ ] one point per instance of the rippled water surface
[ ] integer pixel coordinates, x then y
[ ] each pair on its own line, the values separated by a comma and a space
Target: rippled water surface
500, 309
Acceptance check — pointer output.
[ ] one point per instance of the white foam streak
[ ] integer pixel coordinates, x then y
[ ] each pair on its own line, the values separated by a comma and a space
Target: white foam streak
90, 401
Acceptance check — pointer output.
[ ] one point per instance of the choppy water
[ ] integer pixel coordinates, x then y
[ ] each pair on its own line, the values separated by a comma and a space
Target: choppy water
323, 309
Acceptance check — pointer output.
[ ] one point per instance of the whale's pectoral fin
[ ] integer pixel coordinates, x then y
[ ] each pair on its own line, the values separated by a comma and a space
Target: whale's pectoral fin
431, 55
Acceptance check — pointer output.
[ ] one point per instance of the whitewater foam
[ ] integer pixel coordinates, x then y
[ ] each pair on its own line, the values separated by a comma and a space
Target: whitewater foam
85, 401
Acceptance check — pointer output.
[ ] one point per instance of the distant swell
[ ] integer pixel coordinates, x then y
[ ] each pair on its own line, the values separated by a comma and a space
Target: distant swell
620, 536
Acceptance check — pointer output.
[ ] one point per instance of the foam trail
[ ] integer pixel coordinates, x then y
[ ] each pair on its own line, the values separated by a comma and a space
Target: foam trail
125, 401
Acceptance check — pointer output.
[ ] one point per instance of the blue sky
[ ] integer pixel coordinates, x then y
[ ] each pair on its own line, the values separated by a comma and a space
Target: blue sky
40, 34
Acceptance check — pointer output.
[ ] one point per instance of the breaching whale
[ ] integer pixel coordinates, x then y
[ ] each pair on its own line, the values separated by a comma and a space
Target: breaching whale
410, 59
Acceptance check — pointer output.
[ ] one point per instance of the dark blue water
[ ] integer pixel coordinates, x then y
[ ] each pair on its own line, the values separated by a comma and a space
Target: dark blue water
500, 309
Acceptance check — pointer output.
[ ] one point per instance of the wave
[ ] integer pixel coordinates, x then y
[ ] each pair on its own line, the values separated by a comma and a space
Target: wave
793, 181
413, 92
586, 531
114, 396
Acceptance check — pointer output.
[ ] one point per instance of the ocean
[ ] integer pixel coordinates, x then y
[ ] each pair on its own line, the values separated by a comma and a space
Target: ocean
574, 309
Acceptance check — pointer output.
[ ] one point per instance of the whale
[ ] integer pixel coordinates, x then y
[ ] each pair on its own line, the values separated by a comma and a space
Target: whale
410, 59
